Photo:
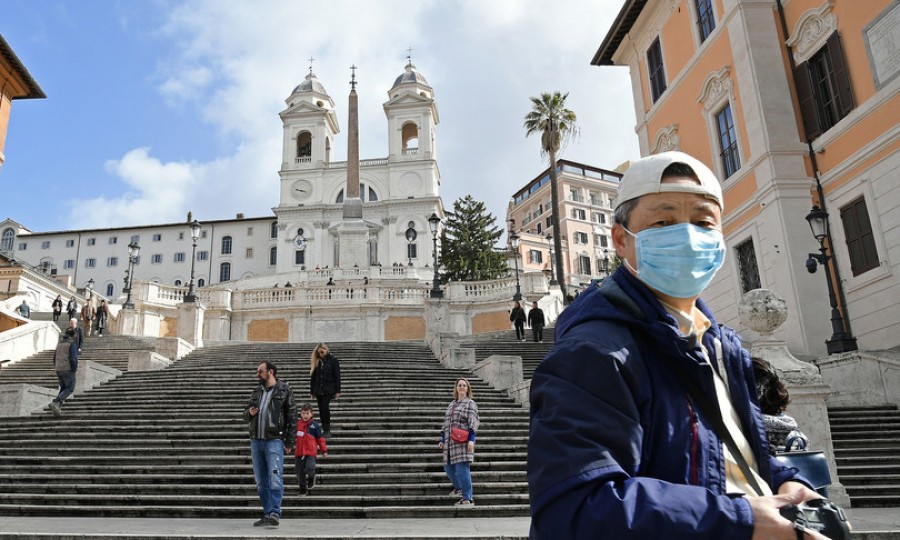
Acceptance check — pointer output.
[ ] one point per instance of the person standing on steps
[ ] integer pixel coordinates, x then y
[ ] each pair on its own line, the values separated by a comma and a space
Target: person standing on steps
272, 417
57, 308
102, 317
65, 363
79, 335
536, 322
458, 442
87, 318
72, 307
324, 382
310, 441
517, 316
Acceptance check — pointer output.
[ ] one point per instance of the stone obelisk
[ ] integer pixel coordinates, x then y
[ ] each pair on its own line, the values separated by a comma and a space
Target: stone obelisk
353, 232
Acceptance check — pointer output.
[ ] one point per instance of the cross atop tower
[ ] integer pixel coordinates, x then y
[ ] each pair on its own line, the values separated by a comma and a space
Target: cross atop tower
311, 60
409, 51
353, 77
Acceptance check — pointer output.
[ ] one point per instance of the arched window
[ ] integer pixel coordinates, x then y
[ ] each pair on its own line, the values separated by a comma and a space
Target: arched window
6, 244
304, 147
201, 282
178, 283
110, 290
226, 246
273, 256
410, 136
274, 232
366, 193
225, 271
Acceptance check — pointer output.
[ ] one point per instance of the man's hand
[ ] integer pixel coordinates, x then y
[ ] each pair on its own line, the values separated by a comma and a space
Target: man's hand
441, 445
253, 411
288, 450
337, 395
768, 524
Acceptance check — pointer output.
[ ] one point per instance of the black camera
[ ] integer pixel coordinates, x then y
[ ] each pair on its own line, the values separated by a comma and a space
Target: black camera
820, 515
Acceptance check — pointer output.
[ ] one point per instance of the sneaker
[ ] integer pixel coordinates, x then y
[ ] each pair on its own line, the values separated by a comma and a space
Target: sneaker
464, 503
261, 522
456, 493
310, 482
55, 408
274, 521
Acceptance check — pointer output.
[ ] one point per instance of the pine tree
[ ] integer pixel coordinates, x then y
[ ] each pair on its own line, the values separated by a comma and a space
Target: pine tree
467, 243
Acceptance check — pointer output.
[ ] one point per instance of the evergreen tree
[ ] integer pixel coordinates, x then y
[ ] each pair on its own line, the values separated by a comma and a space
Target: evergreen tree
467, 243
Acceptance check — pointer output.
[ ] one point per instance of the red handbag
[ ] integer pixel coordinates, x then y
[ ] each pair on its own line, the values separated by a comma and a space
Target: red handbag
459, 435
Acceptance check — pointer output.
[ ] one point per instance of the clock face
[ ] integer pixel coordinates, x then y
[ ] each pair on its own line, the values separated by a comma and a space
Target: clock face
301, 190
300, 243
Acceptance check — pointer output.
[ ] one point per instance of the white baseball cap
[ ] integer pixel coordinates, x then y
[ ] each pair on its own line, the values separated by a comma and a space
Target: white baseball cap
644, 176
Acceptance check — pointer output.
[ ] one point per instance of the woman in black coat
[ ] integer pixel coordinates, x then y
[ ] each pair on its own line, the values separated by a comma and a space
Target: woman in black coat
324, 382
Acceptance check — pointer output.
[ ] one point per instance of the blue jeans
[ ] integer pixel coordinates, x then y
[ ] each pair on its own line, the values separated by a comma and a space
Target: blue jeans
461, 477
66, 385
268, 469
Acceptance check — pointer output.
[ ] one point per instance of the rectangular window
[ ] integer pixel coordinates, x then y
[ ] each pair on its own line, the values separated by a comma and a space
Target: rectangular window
584, 265
226, 245
273, 233
539, 228
823, 88
273, 256
156, 258
656, 69
181, 235
575, 195
249, 231
135, 239
860, 239
91, 241
225, 272
202, 234
706, 23
45, 244
748, 271
300, 256
548, 222
69, 264
113, 240
601, 240
202, 255
70, 243
578, 213
535, 256
179, 257
731, 161
23, 246
412, 251
248, 253
157, 237
112, 261
90, 263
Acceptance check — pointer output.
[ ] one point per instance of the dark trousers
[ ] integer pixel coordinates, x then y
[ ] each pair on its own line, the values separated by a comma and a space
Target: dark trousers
520, 329
324, 402
306, 471
66, 385
537, 330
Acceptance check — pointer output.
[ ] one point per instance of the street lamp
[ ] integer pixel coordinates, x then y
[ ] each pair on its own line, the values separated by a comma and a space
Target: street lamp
433, 223
133, 251
514, 240
550, 255
841, 339
195, 234
604, 263
411, 235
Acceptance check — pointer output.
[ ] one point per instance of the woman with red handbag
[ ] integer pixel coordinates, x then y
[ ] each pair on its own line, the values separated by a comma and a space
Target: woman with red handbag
458, 442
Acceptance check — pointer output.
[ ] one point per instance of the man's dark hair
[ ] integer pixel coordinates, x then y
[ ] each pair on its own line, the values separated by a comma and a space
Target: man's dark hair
271, 366
678, 169
773, 395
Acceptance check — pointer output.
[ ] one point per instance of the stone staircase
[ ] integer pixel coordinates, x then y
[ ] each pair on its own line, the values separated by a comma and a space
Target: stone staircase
505, 343
867, 453
172, 443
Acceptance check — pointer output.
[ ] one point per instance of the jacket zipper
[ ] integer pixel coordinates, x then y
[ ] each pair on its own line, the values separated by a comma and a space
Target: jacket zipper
695, 443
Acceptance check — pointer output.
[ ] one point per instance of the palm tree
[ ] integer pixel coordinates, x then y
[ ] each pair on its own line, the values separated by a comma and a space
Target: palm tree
556, 124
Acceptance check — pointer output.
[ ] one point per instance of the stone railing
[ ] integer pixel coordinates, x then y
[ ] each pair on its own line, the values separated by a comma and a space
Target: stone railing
320, 295
481, 290
362, 163
23, 341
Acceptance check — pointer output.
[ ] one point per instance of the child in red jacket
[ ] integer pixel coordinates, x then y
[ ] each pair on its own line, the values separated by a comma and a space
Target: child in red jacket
309, 442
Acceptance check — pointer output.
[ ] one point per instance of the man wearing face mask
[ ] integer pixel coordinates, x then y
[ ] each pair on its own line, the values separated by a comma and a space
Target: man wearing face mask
619, 446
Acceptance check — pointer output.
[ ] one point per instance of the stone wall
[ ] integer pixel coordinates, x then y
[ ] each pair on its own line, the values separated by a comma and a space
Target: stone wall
398, 328
268, 330
490, 321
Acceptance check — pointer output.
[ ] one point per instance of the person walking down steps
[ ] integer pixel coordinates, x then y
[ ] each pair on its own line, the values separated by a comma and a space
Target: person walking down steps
310, 441
65, 363
517, 317
324, 382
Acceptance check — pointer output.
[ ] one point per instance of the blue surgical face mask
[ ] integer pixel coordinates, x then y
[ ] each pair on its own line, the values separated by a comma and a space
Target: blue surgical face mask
678, 260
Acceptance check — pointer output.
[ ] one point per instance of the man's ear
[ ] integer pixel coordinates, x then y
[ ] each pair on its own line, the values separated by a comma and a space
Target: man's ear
618, 237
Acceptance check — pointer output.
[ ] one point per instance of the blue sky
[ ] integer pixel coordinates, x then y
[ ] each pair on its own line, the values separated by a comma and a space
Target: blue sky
158, 107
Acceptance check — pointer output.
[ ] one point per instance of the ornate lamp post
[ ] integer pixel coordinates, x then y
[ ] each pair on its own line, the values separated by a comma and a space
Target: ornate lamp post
411, 235
133, 251
434, 222
550, 255
604, 264
514, 240
842, 339
195, 234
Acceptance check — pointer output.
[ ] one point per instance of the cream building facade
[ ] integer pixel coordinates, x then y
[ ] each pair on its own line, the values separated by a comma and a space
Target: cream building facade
792, 103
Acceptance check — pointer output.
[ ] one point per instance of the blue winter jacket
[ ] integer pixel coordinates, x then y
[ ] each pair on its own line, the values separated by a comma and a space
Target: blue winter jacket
617, 448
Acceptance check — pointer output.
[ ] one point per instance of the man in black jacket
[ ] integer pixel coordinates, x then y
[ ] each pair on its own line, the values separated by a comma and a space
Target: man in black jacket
536, 322
272, 416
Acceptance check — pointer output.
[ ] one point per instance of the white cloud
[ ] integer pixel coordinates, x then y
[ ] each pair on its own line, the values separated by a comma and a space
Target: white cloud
236, 62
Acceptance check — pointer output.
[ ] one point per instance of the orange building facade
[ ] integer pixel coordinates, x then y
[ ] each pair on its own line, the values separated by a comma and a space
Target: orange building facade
15, 83
585, 218
784, 100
